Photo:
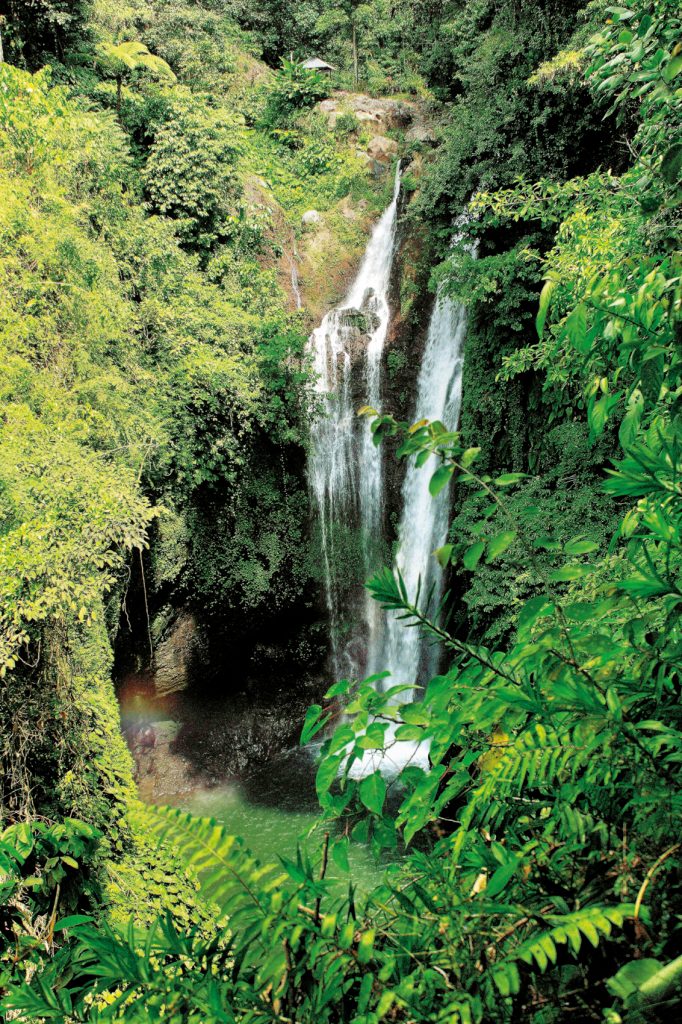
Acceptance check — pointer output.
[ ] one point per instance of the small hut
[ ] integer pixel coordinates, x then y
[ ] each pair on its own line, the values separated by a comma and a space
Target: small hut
321, 66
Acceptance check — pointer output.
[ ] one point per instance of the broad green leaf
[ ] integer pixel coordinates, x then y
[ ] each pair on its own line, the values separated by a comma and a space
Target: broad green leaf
632, 976
580, 547
440, 479
340, 853
373, 792
72, 922
509, 478
545, 299
672, 68
632, 419
314, 721
533, 610
599, 412
468, 457
366, 946
568, 573
338, 689
576, 329
500, 877
327, 772
498, 544
472, 555
443, 555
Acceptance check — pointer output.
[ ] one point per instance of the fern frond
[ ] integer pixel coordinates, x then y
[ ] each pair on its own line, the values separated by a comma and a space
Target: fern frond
228, 872
571, 930
537, 759
133, 55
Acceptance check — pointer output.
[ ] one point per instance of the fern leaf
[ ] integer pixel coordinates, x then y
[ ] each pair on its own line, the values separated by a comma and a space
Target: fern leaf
228, 873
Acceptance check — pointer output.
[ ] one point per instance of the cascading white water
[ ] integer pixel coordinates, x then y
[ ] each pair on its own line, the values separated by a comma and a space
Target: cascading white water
423, 528
424, 520
345, 467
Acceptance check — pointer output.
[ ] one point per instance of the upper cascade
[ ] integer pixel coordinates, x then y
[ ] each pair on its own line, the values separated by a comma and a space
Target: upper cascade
345, 468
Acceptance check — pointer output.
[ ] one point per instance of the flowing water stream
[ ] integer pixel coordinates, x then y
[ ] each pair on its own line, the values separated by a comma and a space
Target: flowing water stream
345, 468
424, 520
398, 649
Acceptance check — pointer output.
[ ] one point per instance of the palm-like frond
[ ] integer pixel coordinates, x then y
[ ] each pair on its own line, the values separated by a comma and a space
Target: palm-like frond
132, 56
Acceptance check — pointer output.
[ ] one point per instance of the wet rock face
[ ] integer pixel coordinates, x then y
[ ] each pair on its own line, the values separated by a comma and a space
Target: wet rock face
363, 320
200, 741
174, 655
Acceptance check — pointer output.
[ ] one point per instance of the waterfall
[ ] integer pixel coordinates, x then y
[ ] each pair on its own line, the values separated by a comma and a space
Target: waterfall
345, 469
423, 528
424, 520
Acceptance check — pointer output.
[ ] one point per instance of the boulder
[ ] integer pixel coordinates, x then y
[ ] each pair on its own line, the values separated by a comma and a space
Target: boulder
382, 149
328, 107
365, 117
348, 210
364, 320
420, 133
311, 218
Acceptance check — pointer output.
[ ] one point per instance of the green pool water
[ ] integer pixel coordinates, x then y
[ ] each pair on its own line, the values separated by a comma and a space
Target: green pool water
272, 832
259, 785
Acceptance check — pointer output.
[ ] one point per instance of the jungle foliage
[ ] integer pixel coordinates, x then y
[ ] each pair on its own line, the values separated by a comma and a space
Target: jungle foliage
541, 881
149, 360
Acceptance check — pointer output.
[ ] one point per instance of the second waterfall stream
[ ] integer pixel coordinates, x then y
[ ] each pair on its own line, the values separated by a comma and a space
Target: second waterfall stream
346, 474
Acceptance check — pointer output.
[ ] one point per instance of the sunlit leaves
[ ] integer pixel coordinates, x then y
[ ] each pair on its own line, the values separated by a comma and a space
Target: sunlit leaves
473, 554
507, 479
568, 573
314, 721
373, 792
498, 544
543, 307
578, 546
443, 555
576, 329
531, 612
632, 419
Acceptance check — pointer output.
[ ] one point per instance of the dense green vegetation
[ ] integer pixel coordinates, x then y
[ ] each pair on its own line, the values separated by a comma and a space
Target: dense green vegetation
155, 391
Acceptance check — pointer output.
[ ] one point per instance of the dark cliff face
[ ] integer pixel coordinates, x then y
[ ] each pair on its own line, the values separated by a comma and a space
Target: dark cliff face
411, 307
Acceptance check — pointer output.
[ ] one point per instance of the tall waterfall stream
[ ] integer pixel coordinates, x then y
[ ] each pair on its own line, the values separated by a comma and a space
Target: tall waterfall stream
345, 467
424, 519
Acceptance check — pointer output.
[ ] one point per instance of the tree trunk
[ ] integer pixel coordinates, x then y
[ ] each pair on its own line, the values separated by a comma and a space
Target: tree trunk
355, 56
2, 55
